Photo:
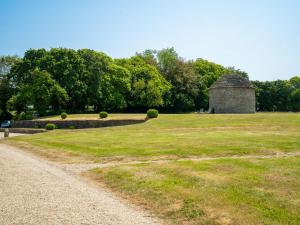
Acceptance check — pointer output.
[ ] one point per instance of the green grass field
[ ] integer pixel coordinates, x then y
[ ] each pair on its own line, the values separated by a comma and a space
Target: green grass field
230, 191
216, 191
182, 135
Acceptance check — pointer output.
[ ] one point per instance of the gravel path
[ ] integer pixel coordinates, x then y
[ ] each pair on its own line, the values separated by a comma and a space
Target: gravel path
11, 135
33, 191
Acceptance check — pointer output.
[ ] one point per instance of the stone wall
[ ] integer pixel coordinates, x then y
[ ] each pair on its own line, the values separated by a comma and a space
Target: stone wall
232, 100
80, 124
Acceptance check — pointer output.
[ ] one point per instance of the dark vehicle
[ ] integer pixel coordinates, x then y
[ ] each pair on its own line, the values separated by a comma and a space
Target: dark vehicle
6, 124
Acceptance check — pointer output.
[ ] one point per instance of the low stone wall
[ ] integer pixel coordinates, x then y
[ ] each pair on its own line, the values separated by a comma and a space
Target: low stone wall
78, 124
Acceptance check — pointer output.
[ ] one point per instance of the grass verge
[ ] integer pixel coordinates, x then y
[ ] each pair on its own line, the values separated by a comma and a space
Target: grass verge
233, 191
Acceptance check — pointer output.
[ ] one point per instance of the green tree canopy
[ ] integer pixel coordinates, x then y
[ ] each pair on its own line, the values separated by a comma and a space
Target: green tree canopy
42, 93
6, 85
77, 80
148, 86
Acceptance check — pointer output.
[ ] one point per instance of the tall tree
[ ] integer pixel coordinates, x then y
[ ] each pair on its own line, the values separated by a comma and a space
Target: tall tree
6, 91
148, 86
42, 92
6, 86
115, 86
68, 69
185, 84
96, 65
65, 66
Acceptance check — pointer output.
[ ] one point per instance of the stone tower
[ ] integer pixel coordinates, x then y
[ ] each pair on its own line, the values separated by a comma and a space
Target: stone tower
232, 94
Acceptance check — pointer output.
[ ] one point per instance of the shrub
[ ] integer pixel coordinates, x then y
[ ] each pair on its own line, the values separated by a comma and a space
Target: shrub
63, 115
72, 127
50, 126
103, 114
152, 113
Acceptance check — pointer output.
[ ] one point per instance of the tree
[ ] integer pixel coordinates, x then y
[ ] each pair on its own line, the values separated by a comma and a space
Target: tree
109, 84
295, 82
207, 73
96, 65
21, 70
148, 86
295, 100
115, 88
185, 84
149, 56
6, 87
68, 69
6, 63
64, 65
279, 95
65, 78
43, 93
167, 59
6, 92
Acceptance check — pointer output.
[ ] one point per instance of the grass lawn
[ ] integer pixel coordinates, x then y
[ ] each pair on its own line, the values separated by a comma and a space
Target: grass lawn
231, 191
217, 191
177, 136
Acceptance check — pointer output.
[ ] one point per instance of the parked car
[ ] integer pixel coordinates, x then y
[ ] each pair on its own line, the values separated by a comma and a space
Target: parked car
6, 124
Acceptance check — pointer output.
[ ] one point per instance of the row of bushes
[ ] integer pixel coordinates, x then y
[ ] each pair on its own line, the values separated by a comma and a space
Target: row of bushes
102, 115
151, 113
29, 115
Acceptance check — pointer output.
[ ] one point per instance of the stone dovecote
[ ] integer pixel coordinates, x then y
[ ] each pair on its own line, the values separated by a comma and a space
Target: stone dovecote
232, 94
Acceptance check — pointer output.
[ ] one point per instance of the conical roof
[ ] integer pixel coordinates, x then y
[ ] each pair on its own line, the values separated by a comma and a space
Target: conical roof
232, 80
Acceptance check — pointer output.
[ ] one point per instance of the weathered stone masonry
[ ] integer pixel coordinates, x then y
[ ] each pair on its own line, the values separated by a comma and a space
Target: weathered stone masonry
232, 94
76, 123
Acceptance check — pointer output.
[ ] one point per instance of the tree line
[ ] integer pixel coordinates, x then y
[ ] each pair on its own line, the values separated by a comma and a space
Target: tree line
60, 79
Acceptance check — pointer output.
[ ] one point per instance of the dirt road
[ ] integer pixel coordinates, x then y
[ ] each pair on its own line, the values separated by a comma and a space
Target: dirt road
33, 191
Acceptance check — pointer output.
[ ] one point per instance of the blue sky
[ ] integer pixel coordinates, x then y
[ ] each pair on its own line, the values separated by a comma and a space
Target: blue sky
261, 37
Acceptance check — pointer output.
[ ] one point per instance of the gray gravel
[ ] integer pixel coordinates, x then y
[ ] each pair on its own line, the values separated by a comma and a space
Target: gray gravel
10, 135
33, 191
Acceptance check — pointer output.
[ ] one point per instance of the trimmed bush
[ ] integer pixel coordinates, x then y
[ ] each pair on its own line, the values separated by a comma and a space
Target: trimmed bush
152, 113
72, 127
103, 114
63, 115
50, 126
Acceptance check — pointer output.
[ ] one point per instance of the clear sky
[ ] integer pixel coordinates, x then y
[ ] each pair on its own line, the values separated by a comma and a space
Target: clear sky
261, 37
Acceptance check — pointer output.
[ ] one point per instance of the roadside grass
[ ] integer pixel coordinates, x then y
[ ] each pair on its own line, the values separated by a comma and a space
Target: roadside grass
216, 191
231, 191
175, 136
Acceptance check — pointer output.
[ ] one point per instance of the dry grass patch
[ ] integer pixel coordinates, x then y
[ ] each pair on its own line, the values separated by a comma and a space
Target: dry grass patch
236, 191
